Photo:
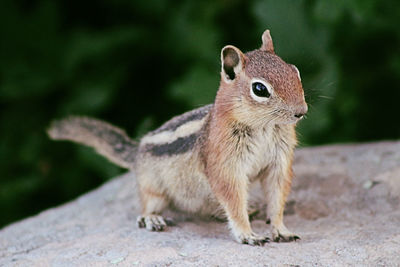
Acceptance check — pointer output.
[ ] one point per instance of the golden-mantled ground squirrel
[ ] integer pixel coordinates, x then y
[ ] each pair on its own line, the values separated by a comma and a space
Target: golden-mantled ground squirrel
204, 160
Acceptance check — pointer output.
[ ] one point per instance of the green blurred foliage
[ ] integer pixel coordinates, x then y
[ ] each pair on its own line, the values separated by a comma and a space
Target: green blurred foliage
138, 63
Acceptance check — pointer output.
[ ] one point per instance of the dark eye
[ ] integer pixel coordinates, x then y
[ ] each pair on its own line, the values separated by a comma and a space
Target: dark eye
260, 90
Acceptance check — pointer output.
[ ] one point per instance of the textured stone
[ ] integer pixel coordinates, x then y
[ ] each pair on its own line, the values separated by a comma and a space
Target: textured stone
344, 204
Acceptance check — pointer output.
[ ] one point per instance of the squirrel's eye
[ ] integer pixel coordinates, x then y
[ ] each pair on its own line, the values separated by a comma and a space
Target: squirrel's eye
260, 90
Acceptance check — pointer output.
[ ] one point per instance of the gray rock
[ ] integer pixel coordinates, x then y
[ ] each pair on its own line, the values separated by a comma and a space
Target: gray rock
344, 204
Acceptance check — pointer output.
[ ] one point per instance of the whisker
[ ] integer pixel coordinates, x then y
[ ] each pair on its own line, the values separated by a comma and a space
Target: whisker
326, 97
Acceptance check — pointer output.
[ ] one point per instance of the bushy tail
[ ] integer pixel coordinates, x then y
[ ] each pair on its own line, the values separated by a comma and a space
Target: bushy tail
108, 140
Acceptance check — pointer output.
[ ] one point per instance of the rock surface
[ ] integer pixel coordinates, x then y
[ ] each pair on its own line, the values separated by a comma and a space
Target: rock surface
344, 204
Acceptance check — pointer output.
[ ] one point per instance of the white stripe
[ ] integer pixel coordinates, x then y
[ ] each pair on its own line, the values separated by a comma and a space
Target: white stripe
170, 136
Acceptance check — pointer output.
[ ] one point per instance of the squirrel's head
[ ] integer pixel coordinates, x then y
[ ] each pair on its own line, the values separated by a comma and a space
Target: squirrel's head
259, 86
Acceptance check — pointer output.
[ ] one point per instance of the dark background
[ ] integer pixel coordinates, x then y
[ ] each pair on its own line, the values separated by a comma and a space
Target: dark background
137, 63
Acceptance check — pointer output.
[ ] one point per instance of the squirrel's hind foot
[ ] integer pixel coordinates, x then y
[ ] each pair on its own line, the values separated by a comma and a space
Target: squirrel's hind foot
253, 239
152, 222
284, 236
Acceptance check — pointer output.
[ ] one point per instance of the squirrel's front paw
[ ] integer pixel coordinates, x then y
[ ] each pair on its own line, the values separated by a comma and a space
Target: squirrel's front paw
284, 236
252, 239
151, 222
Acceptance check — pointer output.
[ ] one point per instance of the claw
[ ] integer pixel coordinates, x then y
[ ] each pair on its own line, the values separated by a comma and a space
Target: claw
140, 222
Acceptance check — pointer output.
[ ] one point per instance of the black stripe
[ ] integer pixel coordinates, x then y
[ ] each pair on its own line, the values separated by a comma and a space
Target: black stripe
179, 146
176, 122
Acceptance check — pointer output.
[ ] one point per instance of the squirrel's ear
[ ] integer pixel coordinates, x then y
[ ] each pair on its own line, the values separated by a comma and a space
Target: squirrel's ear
232, 61
267, 44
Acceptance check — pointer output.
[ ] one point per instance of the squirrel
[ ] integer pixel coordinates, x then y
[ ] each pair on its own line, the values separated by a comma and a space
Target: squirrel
203, 161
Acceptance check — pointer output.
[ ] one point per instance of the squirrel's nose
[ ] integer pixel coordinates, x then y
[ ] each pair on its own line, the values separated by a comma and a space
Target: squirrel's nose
301, 111
299, 115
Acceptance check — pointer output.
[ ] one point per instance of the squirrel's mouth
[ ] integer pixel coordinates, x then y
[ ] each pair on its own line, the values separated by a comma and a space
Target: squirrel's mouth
289, 117
287, 112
